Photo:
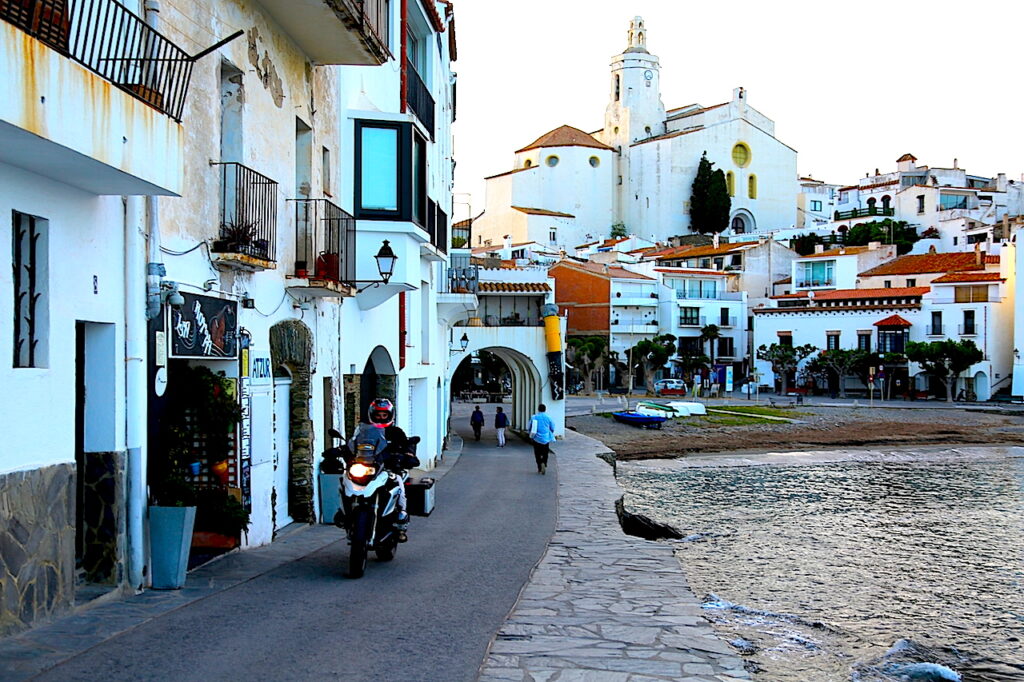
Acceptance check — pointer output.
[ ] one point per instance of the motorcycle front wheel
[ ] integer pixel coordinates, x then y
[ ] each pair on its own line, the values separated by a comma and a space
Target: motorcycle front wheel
361, 527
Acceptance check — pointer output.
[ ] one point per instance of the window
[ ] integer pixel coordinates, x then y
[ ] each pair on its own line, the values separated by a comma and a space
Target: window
552, 161
971, 294
741, 155
552, 235
391, 172
920, 203
969, 327
887, 284
730, 183
955, 240
723, 317
815, 205
911, 282
816, 274
618, 89
528, 164
725, 347
594, 162
892, 340
936, 328
325, 170
752, 186
689, 317
948, 202
31, 290
690, 345
864, 341
785, 338
737, 260
739, 225
831, 340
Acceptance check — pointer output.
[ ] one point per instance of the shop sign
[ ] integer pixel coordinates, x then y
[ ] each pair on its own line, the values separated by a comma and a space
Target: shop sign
204, 327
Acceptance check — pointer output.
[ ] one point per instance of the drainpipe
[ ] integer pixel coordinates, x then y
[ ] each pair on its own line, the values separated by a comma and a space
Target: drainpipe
135, 337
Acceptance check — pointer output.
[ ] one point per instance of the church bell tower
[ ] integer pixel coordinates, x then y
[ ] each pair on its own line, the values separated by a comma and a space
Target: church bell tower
635, 111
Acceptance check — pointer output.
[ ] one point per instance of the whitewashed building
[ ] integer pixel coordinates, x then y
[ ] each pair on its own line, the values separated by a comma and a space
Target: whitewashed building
637, 170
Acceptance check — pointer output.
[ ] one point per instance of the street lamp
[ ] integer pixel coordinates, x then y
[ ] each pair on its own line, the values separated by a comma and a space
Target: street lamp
463, 344
386, 259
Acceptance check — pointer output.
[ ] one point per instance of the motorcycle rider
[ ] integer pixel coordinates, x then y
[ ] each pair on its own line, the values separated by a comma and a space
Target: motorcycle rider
395, 444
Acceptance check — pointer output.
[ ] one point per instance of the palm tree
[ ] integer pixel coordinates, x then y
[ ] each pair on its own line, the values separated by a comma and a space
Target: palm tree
710, 334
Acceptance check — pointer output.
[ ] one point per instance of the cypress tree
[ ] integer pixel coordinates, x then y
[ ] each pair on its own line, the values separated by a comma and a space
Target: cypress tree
719, 203
700, 193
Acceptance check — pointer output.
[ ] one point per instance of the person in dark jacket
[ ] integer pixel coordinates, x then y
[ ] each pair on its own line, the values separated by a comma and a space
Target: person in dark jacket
500, 424
476, 420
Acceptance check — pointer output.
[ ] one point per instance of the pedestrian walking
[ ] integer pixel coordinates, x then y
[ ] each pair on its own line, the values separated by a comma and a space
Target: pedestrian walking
542, 432
500, 424
476, 420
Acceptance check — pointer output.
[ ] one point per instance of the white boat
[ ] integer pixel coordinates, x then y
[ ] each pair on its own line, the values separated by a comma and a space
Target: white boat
655, 410
684, 409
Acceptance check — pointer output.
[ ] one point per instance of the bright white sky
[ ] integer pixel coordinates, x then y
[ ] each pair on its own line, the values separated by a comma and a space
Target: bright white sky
850, 86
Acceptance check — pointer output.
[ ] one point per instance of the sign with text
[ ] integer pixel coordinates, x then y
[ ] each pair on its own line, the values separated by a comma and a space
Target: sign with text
205, 327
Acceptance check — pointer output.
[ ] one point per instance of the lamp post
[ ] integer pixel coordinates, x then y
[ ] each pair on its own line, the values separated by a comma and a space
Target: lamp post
463, 344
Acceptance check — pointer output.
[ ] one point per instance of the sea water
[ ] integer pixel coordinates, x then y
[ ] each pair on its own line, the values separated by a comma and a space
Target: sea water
853, 566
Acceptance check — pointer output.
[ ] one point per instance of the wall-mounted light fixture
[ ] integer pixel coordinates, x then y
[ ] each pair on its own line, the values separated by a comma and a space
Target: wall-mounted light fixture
463, 344
386, 259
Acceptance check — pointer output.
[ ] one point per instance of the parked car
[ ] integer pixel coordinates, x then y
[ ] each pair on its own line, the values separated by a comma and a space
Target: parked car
669, 387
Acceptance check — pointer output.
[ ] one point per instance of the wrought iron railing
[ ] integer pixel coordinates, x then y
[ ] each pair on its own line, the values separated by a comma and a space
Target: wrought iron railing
968, 330
371, 19
248, 213
463, 280
864, 212
934, 330
325, 241
419, 98
108, 39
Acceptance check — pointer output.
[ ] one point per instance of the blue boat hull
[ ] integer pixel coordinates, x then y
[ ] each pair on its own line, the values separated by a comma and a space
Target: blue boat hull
642, 420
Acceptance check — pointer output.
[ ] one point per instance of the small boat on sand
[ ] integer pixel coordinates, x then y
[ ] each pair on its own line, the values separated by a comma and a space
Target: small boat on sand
640, 420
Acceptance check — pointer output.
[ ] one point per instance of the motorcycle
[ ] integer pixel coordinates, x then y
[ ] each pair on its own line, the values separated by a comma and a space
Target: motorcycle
369, 501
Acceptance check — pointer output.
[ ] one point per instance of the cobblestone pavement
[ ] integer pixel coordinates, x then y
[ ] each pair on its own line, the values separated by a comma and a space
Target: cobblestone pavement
602, 606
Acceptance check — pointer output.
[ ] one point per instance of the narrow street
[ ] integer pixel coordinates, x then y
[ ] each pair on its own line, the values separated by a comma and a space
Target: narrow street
426, 616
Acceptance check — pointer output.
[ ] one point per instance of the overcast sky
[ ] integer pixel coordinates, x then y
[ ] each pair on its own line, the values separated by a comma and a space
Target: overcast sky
850, 86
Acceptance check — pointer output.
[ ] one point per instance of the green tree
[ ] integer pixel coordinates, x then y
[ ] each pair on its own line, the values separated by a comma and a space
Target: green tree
619, 230
650, 355
887, 231
587, 354
945, 360
691, 362
784, 359
841, 363
709, 334
709, 199
804, 243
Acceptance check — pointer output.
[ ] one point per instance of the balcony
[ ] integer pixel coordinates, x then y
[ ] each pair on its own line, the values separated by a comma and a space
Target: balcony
935, 330
419, 99
325, 248
864, 213
248, 220
437, 228
717, 295
91, 96
645, 327
693, 321
635, 298
352, 32
968, 330
813, 283
726, 322
463, 280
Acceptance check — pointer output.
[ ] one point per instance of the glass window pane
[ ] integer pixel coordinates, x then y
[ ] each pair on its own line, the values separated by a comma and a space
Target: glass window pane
379, 165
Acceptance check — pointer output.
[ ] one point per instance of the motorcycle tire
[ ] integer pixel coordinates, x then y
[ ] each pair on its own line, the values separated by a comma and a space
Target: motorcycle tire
357, 555
387, 551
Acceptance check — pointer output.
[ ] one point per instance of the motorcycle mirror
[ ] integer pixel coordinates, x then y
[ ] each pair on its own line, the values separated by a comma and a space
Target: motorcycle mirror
414, 440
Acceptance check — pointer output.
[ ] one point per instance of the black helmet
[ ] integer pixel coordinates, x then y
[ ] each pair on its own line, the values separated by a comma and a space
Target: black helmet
381, 413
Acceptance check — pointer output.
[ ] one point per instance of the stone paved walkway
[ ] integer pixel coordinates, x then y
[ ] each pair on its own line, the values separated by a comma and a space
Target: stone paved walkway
603, 606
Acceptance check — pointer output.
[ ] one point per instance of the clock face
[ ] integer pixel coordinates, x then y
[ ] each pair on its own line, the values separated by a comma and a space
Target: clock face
648, 74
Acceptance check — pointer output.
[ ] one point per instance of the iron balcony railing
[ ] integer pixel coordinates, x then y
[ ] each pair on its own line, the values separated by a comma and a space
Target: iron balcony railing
371, 19
693, 321
864, 212
437, 226
968, 330
717, 294
727, 322
934, 330
419, 98
464, 280
248, 213
806, 283
325, 241
105, 37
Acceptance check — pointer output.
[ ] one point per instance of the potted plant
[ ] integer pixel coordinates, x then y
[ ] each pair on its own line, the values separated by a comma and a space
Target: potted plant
220, 520
235, 237
196, 423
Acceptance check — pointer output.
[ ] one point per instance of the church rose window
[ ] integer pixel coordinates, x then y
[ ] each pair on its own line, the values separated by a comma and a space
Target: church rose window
741, 155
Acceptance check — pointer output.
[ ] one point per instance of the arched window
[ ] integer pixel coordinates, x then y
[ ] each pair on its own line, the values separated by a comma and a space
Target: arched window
752, 186
885, 201
739, 225
528, 164
871, 202
618, 87
730, 183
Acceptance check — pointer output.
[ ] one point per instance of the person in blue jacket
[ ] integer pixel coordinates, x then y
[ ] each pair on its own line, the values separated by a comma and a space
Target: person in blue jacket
476, 420
542, 432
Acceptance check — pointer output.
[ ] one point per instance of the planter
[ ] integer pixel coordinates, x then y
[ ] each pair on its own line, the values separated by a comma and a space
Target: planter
202, 539
170, 538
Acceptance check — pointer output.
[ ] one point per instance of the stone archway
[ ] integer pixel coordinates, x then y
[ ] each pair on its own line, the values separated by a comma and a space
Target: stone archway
527, 383
379, 379
291, 346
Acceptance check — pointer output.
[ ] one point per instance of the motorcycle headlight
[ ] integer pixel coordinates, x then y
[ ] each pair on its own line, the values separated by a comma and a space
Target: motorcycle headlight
360, 470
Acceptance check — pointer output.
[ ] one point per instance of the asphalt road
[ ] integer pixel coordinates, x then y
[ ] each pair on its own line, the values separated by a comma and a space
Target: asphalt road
428, 615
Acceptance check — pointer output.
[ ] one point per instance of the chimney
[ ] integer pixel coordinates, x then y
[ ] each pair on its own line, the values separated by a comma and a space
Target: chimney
819, 248
1001, 182
979, 255
956, 164
932, 249
873, 246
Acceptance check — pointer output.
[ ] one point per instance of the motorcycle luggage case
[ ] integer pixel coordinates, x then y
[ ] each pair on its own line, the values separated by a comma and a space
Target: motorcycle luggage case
419, 493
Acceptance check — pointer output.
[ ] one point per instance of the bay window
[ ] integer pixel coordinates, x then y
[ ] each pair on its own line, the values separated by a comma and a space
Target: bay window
390, 172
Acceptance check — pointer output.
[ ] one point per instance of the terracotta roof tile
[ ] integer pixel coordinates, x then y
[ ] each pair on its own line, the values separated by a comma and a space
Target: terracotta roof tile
564, 136
667, 136
542, 211
711, 250
926, 263
785, 280
611, 271
907, 157
838, 251
799, 294
684, 271
514, 287
852, 294
953, 277
893, 321
511, 172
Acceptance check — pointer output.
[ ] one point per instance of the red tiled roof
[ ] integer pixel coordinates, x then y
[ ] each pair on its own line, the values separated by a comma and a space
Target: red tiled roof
710, 250
667, 136
952, 277
670, 250
992, 259
513, 287
583, 246
893, 321
785, 280
612, 271
872, 186
852, 294
564, 136
699, 110
613, 242
542, 211
926, 263
684, 271
799, 294
838, 251
907, 157
517, 170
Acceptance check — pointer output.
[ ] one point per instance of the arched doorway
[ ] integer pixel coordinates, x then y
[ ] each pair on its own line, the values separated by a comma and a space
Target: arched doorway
291, 351
742, 222
500, 376
378, 379
982, 390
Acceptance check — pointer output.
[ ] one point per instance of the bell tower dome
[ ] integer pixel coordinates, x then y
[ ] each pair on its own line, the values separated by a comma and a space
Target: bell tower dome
635, 111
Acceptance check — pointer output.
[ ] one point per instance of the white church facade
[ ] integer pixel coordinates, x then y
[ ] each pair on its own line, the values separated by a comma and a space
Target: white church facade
569, 187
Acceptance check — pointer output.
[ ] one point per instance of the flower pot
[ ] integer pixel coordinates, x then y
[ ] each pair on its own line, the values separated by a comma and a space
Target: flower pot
220, 470
204, 539
170, 538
